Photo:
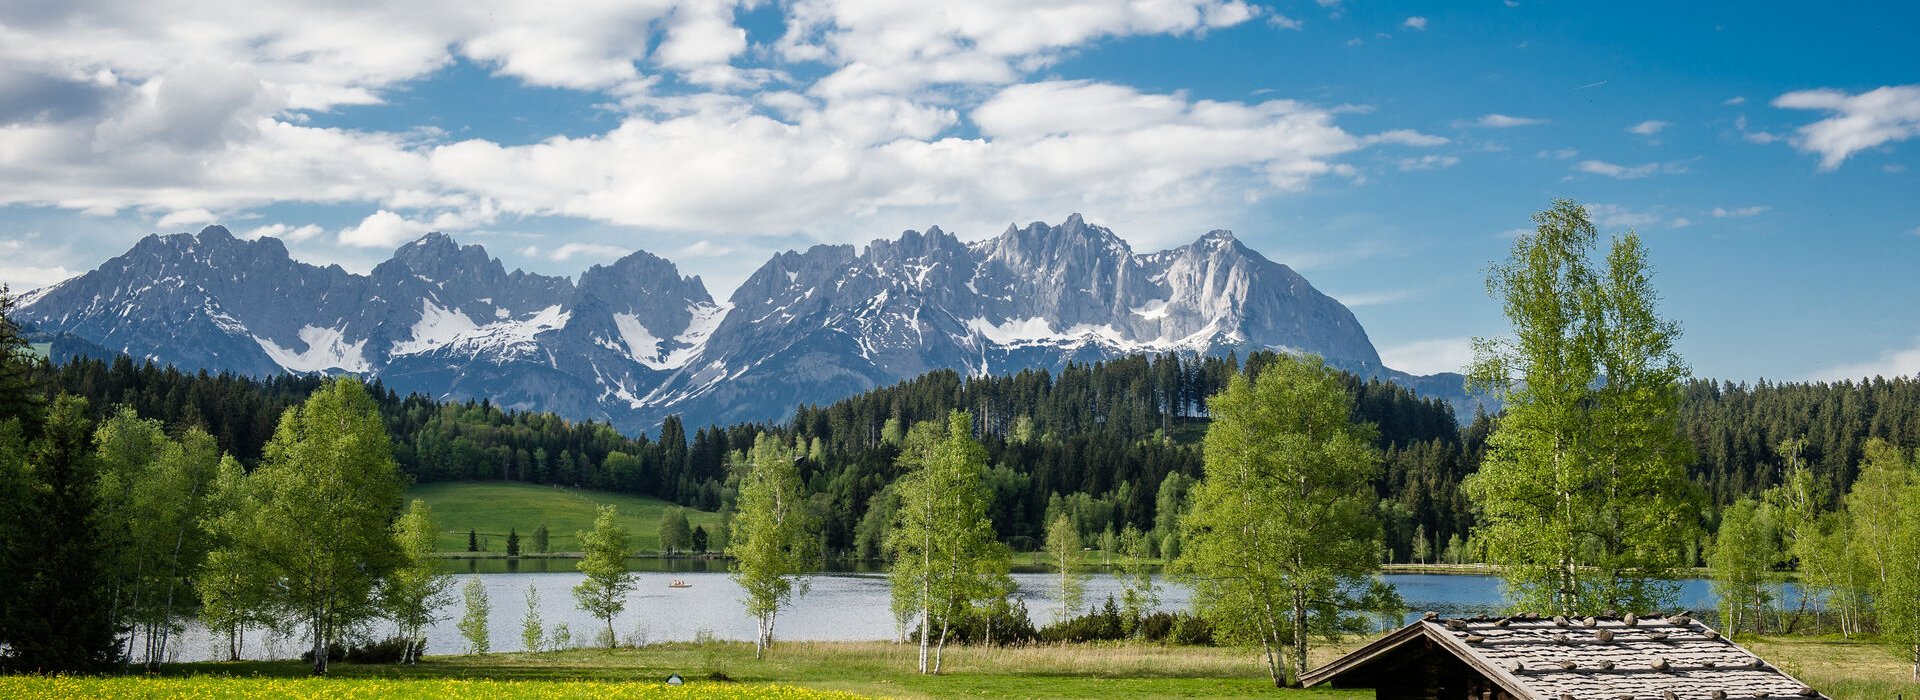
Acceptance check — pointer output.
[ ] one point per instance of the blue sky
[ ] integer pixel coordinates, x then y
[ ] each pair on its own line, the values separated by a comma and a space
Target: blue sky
1765, 151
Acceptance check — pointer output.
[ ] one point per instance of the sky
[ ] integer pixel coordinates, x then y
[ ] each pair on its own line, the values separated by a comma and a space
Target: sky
1765, 151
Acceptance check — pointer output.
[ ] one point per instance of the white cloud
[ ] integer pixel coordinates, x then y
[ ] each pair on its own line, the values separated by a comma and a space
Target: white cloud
291, 234
1284, 22
1898, 362
1429, 356
1648, 127
1735, 101
189, 217
1415, 23
896, 47
382, 229
1627, 172
1559, 154
24, 278
1616, 216
1739, 212
1499, 121
1869, 119
1428, 162
1753, 136
861, 114
599, 251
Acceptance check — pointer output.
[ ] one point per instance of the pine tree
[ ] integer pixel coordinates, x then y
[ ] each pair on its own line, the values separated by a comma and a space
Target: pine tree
513, 543
60, 622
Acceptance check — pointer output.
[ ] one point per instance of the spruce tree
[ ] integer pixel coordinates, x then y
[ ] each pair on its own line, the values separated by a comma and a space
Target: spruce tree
61, 621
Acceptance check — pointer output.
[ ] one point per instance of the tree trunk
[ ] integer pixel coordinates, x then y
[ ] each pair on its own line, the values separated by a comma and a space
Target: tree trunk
1299, 635
939, 652
926, 613
319, 648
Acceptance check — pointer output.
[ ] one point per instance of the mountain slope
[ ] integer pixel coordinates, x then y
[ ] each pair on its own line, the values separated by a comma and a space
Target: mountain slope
633, 341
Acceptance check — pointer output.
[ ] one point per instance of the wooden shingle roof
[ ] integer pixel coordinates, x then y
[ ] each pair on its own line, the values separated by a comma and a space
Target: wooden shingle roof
1528, 656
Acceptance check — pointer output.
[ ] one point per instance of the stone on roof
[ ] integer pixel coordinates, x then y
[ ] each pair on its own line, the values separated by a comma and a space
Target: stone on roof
1653, 657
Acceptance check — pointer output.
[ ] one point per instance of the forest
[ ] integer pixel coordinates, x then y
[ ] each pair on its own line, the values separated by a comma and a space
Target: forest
1116, 442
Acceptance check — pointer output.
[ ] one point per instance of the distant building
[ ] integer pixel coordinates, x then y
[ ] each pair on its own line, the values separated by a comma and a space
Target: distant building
1530, 657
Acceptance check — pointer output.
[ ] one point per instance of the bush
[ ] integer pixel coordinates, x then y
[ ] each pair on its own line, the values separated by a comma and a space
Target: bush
391, 650
1006, 625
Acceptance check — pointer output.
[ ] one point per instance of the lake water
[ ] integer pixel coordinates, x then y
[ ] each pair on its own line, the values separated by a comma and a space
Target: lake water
841, 606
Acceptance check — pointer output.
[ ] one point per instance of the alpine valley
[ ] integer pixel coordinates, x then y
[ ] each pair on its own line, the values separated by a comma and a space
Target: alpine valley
634, 341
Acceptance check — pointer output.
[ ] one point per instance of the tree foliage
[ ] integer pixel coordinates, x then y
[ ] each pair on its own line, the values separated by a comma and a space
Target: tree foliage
944, 553
604, 551
1582, 494
1282, 530
775, 541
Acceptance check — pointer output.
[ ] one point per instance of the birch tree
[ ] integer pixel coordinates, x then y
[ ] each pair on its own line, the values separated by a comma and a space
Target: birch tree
1582, 498
414, 593
1281, 532
775, 541
604, 551
473, 622
318, 510
1064, 553
945, 556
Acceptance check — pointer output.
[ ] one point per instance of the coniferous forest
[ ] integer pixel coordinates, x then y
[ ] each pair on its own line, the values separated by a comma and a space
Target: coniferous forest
1112, 444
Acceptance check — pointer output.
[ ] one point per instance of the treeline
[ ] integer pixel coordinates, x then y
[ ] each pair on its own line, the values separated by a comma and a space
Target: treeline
1102, 439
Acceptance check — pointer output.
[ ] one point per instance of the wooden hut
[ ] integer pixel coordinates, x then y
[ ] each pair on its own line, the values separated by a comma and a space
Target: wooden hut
1529, 657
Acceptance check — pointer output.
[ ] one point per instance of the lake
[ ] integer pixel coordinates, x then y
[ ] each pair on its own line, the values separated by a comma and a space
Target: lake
841, 605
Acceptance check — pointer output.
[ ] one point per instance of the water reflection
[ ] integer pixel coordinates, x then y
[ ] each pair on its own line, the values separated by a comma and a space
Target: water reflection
849, 605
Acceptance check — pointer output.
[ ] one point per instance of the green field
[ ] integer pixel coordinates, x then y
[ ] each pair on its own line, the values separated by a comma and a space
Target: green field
874, 669
492, 507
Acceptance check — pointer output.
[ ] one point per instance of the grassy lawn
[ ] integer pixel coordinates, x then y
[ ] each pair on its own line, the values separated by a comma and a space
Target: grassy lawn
876, 669
221, 688
1843, 669
494, 507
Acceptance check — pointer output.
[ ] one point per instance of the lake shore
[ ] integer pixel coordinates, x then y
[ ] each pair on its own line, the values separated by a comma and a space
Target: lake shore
1844, 669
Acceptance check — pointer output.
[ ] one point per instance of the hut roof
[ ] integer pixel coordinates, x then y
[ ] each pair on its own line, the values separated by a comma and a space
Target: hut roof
1612, 658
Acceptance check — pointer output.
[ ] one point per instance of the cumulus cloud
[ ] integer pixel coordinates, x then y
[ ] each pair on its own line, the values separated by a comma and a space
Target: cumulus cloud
1499, 121
1859, 122
382, 229
860, 111
291, 234
1429, 356
1415, 23
1897, 362
887, 46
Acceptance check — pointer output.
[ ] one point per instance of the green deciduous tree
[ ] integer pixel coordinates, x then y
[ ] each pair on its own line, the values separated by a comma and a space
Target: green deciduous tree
1740, 564
1138, 595
1582, 497
775, 540
532, 632
236, 592
604, 552
945, 556
473, 622
540, 539
1281, 531
316, 516
1064, 553
416, 590
1885, 537
676, 532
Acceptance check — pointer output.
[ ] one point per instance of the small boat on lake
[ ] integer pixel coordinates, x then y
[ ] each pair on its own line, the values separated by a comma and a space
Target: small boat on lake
677, 583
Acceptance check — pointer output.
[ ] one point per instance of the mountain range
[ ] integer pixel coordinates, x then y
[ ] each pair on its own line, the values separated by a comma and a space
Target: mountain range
635, 341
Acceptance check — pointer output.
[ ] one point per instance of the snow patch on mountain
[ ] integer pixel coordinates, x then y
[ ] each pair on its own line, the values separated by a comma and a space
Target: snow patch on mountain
436, 328
327, 349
